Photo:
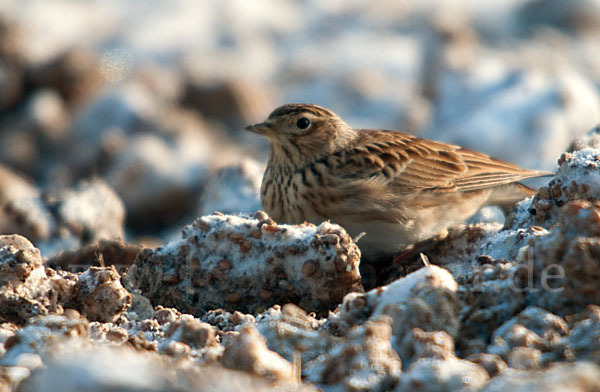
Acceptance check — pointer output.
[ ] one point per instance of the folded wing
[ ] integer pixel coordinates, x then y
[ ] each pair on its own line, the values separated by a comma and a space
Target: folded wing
410, 164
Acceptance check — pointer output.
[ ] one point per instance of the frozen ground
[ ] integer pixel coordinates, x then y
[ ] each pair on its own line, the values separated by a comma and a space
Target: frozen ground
121, 124
371, 63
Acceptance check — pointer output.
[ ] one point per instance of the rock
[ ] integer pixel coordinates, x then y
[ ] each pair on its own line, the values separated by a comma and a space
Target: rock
554, 270
581, 16
107, 129
227, 322
589, 140
15, 186
436, 344
140, 309
12, 376
156, 182
61, 219
100, 130
290, 331
19, 149
12, 67
451, 374
123, 369
576, 377
425, 298
582, 343
535, 332
40, 335
160, 81
130, 107
248, 352
47, 117
233, 189
16, 241
234, 102
104, 367
532, 332
24, 285
244, 263
11, 85
21, 209
29, 289
577, 178
364, 361
489, 302
492, 363
99, 295
93, 212
193, 332
74, 73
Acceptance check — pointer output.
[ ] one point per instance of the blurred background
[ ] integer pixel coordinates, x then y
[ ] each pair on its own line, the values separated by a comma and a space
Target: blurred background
125, 118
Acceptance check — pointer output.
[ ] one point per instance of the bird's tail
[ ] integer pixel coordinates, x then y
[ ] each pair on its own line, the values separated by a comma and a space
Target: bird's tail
506, 196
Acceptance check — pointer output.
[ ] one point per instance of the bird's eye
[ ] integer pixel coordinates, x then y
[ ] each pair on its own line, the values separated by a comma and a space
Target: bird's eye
303, 123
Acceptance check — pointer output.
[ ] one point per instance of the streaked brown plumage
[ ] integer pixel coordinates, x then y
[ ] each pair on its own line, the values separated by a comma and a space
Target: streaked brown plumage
395, 187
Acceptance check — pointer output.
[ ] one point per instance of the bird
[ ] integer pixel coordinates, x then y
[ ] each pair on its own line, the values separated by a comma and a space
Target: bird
396, 188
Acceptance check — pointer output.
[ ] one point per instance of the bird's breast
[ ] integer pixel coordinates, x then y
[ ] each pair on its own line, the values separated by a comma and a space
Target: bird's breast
296, 197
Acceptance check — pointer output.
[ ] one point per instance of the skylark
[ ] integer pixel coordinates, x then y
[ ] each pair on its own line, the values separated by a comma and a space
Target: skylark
395, 187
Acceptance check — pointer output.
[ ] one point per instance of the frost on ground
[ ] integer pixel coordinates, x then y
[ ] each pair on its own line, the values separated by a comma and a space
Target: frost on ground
29, 289
121, 122
480, 323
241, 300
247, 263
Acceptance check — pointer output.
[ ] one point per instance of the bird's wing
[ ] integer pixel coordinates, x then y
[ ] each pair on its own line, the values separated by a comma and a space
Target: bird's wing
409, 164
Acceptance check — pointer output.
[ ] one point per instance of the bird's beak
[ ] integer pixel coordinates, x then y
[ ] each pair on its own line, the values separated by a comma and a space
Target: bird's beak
260, 128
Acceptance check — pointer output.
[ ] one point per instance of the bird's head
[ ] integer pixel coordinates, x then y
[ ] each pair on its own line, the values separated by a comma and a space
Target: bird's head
303, 132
